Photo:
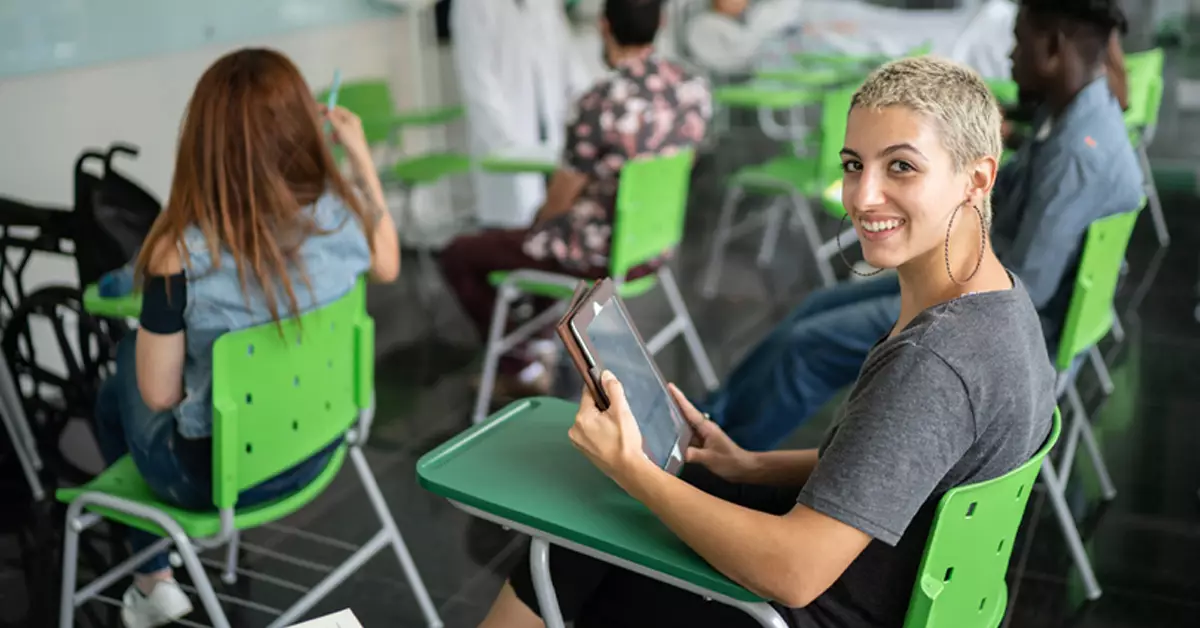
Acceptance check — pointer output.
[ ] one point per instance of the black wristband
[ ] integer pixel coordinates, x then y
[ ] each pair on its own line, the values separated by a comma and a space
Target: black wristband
163, 300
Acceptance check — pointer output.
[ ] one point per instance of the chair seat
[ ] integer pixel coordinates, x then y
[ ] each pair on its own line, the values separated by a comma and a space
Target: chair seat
429, 168
629, 289
123, 480
520, 466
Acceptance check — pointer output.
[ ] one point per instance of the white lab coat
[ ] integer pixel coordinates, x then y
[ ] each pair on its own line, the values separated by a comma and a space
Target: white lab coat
513, 62
979, 35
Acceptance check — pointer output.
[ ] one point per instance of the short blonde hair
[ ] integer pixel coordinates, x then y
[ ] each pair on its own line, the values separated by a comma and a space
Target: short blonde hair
952, 95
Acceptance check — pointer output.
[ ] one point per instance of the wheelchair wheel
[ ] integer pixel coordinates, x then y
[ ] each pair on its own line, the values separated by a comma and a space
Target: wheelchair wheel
59, 377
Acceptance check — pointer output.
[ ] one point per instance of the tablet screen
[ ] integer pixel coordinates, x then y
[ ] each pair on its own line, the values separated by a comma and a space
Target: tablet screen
617, 349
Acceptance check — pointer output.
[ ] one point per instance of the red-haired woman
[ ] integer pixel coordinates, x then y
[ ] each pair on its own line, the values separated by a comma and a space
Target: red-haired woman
259, 226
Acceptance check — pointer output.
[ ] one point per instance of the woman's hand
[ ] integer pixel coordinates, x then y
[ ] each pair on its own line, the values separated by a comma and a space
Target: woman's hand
711, 446
348, 133
609, 438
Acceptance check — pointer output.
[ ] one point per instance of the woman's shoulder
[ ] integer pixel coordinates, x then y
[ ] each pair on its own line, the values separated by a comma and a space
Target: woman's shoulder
991, 340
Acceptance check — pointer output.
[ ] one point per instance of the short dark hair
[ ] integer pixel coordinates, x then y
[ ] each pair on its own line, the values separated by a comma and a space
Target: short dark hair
1088, 23
633, 22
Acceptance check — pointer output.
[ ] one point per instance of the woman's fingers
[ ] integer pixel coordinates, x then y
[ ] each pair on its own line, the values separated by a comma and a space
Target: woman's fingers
696, 418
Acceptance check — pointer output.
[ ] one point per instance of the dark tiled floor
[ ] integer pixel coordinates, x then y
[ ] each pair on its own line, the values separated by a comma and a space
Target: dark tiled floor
1145, 545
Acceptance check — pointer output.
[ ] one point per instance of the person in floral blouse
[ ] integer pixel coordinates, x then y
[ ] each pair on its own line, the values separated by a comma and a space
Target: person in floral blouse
646, 106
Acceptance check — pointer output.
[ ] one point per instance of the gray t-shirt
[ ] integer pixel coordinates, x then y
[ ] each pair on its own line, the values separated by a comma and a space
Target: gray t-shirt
963, 394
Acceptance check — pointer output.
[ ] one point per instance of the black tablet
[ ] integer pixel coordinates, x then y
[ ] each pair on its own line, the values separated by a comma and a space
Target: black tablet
599, 336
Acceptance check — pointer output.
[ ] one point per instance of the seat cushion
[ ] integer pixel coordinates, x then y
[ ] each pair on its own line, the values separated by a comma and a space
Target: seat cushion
123, 480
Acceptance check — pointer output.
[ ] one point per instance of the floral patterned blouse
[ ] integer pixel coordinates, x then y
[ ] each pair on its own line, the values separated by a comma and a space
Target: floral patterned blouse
647, 106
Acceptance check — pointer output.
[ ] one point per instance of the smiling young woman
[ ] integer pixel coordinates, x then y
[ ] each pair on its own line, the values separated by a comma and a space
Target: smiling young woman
960, 391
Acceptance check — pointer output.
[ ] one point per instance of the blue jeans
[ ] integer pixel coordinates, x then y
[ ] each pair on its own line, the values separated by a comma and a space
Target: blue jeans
815, 352
178, 470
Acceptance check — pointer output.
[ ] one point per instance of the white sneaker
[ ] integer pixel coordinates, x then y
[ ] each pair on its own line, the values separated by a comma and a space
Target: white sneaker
166, 603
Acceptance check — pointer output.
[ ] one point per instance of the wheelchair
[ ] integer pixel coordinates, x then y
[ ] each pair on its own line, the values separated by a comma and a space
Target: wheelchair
57, 352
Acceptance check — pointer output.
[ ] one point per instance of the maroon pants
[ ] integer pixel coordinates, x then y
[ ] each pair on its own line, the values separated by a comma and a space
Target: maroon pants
467, 261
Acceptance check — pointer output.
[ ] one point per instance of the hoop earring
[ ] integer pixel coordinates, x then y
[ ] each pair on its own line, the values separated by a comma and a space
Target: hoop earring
842, 254
982, 244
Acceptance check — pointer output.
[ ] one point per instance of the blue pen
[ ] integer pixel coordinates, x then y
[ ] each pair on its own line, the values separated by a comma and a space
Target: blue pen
333, 93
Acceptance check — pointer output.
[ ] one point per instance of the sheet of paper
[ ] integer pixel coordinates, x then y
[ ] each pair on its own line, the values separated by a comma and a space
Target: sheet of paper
340, 619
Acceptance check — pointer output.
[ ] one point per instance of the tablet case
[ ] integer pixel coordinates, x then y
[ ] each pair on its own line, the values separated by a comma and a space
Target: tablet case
583, 290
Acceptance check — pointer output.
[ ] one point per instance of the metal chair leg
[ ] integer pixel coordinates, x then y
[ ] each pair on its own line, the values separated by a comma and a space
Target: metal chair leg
695, 346
230, 575
543, 585
491, 356
1083, 426
813, 236
1156, 210
770, 236
1097, 360
396, 540
1118, 330
204, 588
1055, 490
70, 558
721, 237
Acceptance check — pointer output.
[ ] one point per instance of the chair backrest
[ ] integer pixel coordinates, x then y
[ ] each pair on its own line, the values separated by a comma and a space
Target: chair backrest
651, 206
1144, 79
371, 101
835, 109
279, 398
1006, 91
1089, 315
960, 582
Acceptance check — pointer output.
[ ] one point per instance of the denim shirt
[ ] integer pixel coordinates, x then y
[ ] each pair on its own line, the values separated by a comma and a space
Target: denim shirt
215, 303
1078, 168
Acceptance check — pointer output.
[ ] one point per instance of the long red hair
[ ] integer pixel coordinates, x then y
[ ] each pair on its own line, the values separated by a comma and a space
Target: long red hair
252, 155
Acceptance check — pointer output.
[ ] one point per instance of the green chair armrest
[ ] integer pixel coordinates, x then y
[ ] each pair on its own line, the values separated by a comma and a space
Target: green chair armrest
385, 124
128, 306
802, 77
755, 96
519, 466
511, 165
429, 116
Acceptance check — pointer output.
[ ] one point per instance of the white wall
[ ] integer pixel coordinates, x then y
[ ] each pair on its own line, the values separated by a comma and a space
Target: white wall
50, 118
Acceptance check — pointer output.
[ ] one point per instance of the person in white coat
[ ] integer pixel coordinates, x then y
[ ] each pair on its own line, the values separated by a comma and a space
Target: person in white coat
518, 72
732, 38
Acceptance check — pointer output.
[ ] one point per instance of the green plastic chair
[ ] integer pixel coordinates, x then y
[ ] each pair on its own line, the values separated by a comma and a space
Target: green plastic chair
1145, 82
280, 394
1089, 319
960, 582
371, 101
651, 207
520, 470
793, 181
1005, 90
